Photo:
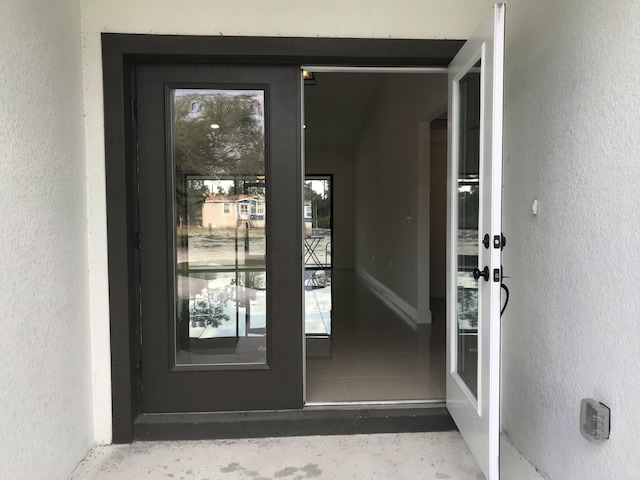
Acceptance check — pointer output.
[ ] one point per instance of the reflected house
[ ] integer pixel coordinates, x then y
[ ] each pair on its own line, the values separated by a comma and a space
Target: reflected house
220, 211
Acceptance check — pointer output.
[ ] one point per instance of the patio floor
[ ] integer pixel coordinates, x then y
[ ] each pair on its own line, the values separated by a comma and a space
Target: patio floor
401, 456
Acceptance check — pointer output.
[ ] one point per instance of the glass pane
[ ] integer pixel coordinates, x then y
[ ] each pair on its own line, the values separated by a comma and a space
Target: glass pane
220, 218
317, 222
318, 263
468, 215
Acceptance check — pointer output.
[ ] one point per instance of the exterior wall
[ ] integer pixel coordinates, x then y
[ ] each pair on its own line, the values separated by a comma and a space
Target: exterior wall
387, 211
571, 131
332, 18
572, 140
45, 394
213, 214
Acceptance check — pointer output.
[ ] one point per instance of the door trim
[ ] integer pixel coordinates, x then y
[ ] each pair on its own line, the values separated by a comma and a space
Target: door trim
120, 54
310, 421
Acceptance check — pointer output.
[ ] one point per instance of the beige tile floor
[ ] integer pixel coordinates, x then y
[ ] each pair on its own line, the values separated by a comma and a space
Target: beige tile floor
399, 456
375, 355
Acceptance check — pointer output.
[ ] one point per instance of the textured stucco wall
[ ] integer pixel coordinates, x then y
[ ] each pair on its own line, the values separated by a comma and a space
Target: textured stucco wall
330, 18
573, 323
45, 379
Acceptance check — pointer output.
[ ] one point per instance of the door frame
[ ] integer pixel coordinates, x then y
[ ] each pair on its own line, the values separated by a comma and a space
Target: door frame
120, 54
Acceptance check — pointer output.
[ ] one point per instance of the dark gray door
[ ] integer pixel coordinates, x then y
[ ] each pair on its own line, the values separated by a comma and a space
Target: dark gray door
220, 237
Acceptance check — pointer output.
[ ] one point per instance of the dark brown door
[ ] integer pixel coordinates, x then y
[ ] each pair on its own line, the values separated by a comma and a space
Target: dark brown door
220, 237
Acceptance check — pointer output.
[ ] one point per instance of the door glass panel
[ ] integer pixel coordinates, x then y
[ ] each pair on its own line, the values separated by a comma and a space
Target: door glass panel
218, 144
468, 217
318, 250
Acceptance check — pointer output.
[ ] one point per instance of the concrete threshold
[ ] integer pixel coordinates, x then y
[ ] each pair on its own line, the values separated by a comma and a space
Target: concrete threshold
333, 420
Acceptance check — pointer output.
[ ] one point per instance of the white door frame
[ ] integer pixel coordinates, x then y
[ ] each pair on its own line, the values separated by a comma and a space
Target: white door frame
478, 414
479, 421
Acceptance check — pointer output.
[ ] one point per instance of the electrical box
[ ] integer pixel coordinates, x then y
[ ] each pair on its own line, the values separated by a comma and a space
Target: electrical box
595, 420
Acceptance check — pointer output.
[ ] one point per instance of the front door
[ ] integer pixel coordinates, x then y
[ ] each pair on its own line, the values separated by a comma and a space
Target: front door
220, 222
475, 240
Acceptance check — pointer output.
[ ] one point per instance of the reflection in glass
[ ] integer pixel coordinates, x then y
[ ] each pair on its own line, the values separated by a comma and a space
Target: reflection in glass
220, 218
468, 216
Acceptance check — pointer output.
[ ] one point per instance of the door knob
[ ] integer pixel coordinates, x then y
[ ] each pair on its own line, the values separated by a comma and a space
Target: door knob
484, 273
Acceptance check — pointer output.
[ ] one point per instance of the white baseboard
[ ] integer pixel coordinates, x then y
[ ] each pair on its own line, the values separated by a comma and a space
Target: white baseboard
407, 312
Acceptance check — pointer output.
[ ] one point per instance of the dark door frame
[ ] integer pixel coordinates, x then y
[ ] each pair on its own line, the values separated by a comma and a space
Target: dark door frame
120, 54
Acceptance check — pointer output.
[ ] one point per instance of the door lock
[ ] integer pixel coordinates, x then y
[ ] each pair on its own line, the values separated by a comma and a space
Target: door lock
499, 241
484, 273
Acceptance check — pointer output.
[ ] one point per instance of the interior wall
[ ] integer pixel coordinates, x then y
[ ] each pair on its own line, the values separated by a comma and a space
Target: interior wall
45, 400
438, 216
386, 185
572, 140
332, 18
340, 165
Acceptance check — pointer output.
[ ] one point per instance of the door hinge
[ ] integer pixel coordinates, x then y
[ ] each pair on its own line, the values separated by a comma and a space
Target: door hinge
138, 241
134, 108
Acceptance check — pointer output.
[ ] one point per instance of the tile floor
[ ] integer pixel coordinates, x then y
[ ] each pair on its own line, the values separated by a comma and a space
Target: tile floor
375, 355
400, 456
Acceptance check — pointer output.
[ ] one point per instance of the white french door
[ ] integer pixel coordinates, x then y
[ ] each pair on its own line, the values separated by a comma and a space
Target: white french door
475, 240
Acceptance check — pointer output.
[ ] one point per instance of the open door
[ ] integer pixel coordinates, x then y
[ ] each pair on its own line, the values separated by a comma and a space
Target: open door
475, 240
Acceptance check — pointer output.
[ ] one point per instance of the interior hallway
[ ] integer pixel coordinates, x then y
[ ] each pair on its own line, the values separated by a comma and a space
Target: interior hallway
375, 355
398, 456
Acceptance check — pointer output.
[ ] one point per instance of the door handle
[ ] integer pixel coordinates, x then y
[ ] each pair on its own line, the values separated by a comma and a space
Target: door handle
484, 273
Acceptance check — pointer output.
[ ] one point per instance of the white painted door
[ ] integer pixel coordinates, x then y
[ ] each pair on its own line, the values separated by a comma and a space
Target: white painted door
473, 263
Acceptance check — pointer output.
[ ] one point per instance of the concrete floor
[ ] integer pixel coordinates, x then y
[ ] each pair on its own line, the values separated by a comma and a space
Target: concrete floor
402, 456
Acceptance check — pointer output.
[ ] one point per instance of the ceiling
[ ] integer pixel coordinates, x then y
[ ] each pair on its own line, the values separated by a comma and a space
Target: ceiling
336, 109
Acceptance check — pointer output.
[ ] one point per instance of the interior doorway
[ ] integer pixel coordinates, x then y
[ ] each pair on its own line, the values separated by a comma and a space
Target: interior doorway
318, 263
382, 138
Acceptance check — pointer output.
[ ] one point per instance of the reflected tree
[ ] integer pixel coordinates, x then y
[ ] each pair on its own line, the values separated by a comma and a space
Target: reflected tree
468, 208
207, 308
196, 194
320, 200
235, 147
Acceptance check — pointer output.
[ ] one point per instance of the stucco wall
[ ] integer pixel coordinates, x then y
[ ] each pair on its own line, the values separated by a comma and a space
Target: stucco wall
386, 180
573, 323
571, 141
331, 18
45, 379
571, 136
